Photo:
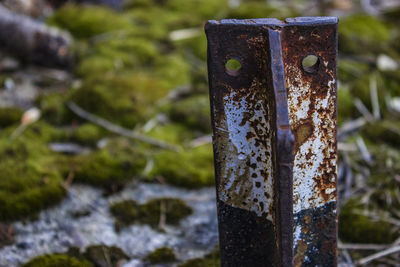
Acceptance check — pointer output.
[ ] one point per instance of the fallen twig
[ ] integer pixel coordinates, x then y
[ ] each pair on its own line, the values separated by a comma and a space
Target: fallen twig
202, 140
68, 148
163, 216
70, 178
363, 110
96, 209
374, 98
106, 256
363, 246
351, 126
364, 151
185, 34
118, 129
378, 255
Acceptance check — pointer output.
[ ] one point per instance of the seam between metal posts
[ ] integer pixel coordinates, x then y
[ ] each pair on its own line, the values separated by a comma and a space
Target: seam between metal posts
284, 154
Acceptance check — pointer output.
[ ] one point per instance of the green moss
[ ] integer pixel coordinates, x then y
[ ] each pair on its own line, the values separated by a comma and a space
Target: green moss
29, 180
197, 45
191, 168
102, 255
128, 211
123, 51
161, 255
110, 167
172, 70
363, 34
207, 9
391, 82
54, 109
385, 189
125, 72
357, 228
360, 88
253, 9
35, 134
146, 24
346, 107
10, 116
102, 101
138, 3
172, 133
174, 209
193, 112
156, 22
124, 99
86, 21
384, 197
348, 70
385, 167
385, 131
85, 134
95, 64
210, 260
199, 79
57, 260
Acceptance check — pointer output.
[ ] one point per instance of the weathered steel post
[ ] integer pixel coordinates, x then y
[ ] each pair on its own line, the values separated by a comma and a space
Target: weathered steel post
274, 135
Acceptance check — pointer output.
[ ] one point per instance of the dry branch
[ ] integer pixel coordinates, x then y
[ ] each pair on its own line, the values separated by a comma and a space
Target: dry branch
378, 255
118, 129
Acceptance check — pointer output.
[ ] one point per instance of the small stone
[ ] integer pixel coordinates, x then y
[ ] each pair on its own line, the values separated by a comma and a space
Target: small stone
386, 63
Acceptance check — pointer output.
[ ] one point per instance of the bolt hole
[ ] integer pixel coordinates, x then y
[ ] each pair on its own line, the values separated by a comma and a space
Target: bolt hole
310, 63
233, 67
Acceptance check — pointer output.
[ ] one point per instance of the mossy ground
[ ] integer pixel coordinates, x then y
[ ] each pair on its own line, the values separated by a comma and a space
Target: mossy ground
193, 112
161, 255
355, 227
386, 131
363, 34
128, 211
190, 168
102, 255
110, 167
57, 260
210, 260
10, 116
93, 256
87, 21
29, 181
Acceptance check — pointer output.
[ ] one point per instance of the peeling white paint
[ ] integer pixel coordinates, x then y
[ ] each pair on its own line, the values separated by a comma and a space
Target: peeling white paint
307, 168
297, 233
248, 164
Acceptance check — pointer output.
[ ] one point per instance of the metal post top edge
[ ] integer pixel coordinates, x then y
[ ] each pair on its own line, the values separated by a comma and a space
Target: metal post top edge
273, 22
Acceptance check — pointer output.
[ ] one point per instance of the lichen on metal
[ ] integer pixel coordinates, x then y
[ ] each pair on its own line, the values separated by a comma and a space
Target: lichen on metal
274, 136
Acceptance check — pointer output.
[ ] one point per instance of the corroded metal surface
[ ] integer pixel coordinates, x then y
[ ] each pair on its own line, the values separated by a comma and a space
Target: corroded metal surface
312, 109
274, 136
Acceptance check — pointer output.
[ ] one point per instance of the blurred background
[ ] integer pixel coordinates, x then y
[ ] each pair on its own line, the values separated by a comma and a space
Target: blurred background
105, 137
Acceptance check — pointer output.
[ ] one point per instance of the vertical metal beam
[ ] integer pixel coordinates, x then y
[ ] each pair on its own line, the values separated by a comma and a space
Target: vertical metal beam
274, 135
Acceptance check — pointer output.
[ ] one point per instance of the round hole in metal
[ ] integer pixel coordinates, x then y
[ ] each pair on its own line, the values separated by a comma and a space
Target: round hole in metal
310, 63
233, 66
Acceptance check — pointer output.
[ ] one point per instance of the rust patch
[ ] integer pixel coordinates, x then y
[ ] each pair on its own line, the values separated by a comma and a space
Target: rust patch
312, 113
301, 253
302, 132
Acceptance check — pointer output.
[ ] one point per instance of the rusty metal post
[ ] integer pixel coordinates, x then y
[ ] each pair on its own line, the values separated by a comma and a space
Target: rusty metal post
274, 137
